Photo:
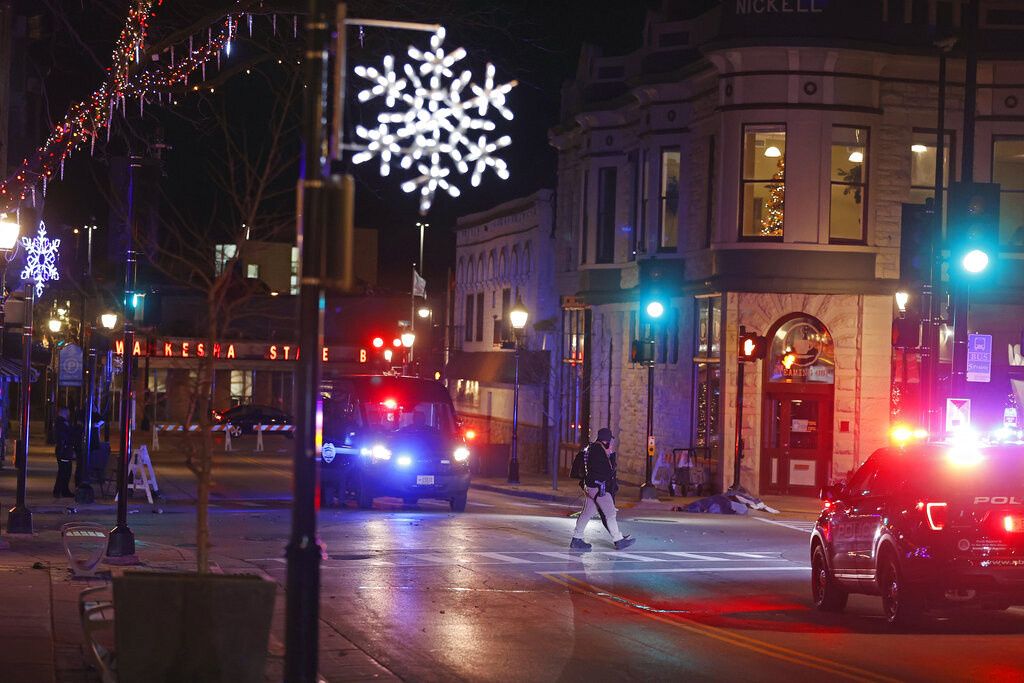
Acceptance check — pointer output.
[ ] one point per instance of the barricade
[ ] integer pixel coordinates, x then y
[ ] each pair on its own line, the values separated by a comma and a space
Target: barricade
140, 470
74, 536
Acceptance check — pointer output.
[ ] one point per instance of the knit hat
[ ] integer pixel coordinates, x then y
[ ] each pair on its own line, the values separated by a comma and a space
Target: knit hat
604, 434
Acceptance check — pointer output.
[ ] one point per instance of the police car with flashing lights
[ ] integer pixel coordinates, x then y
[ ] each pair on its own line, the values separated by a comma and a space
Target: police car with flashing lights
924, 525
391, 436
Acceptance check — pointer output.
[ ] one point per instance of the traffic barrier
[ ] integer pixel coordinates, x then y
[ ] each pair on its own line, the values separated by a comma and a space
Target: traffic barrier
259, 437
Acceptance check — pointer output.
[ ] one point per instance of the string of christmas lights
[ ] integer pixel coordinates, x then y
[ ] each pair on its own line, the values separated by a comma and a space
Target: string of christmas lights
133, 74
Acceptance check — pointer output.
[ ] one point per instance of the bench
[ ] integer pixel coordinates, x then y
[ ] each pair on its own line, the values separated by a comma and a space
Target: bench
81, 535
96, 613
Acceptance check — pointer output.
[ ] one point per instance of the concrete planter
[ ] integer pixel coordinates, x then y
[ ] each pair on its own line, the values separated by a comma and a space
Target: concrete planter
191, 627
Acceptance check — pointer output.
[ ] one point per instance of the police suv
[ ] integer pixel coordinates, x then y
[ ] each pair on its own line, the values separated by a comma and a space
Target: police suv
923, 525
395, 436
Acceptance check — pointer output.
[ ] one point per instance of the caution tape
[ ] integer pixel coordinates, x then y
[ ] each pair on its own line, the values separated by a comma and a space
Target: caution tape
220, 428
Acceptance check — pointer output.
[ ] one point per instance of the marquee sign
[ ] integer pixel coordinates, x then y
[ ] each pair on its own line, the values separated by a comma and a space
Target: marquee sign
196, 348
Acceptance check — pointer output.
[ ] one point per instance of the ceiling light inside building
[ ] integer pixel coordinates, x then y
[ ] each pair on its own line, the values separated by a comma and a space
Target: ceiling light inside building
857, 157
918, 148
772, 152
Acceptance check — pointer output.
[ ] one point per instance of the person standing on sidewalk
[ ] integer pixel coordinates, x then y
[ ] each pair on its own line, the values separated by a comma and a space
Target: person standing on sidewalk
64, 449
598, 487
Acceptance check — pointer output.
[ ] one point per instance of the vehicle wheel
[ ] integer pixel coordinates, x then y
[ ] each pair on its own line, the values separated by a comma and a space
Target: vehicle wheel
410, 501
898, 601
458, 502
235, 431
827, 594
364, 496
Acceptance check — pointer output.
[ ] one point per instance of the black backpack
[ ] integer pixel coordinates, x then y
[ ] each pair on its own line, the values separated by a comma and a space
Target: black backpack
579, 464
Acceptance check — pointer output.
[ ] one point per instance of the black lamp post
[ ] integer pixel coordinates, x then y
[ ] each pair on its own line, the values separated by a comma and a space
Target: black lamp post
19, 518
649, 491
517, 316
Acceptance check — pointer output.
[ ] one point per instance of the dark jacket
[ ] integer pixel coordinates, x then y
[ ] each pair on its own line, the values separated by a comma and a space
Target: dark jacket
599, 465
63, 439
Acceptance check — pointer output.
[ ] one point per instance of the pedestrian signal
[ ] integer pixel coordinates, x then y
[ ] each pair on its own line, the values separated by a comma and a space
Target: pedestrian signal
752, 347
642, 351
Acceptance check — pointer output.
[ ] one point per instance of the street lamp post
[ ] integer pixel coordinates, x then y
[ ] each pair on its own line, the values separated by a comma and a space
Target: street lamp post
19, 518
517, 316
649, 491
8, 241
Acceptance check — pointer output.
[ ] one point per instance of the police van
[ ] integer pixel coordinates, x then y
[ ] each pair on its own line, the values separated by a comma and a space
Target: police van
393, 436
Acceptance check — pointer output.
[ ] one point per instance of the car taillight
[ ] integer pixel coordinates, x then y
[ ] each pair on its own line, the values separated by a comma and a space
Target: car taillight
1013, 523
936, 514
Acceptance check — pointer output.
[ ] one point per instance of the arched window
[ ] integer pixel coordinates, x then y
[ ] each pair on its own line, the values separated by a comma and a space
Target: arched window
526, 259
480, 269
502, 268
469, 274
490, 266
460, 271
514, 266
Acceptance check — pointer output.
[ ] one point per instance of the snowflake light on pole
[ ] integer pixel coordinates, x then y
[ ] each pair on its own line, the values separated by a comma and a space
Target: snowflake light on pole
40, 259
430, 123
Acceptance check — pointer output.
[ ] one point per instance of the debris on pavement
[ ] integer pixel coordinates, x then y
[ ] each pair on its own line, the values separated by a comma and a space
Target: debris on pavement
718, 504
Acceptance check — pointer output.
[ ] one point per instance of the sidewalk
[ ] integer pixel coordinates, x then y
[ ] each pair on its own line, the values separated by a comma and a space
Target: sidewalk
540, 487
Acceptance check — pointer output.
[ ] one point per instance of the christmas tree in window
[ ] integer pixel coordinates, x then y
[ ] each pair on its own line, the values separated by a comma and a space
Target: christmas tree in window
771, 222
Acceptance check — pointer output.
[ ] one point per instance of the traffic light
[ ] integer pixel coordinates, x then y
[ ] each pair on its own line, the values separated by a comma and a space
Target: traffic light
916, 230
752, 347
642, 351
973, 227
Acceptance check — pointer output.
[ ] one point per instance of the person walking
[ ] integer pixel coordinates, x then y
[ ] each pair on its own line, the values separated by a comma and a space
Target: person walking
599, 484
64, 450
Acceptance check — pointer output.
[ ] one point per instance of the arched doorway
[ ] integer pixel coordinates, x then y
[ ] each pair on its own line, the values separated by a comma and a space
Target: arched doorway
797, 409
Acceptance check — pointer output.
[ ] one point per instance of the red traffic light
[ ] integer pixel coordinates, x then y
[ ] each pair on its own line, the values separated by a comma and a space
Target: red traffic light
752, 347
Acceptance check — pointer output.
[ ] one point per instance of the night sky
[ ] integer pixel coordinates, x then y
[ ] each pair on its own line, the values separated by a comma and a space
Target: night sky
536, 42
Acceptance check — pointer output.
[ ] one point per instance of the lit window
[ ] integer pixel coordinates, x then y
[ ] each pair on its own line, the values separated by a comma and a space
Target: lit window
848, 204
668, 221
252, 270
1008, 171
922, 167
764, 181
222, 253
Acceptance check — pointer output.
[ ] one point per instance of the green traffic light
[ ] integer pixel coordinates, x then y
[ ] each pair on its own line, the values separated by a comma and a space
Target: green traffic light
655, 309
975, 261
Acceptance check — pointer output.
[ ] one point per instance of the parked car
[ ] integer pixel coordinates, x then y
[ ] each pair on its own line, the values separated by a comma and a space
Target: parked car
391, 436
243, 419
924, 525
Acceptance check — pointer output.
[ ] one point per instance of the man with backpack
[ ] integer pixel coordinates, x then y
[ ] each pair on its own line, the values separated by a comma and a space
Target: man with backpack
599, 484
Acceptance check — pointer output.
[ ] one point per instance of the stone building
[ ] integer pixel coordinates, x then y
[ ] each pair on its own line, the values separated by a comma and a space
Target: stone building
750, 166
504, 255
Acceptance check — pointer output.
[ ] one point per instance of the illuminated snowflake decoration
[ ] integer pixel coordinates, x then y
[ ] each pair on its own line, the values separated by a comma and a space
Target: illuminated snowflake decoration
40, 259
435, 120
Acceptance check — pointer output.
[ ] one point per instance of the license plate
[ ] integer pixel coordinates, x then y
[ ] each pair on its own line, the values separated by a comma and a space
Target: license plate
424, 479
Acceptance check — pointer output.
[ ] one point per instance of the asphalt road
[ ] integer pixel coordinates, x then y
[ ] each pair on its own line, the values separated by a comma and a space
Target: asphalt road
495, 594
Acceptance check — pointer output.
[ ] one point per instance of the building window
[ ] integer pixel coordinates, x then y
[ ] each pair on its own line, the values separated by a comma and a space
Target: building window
668, 219
922, 167
222, 253
574, 383
1008, 171
241, 387
606, 182
764, 182
849, 196
468, 318
252, 270
480, 316
293, 288
707, 376
634, 203
645, 189
709, 211
585, 219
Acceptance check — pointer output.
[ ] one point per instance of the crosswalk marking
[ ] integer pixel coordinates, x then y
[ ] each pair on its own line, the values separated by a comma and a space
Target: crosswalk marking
520, 557
797, 524
689, 556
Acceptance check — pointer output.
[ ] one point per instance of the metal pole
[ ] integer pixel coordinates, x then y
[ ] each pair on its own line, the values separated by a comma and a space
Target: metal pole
303, 553
513, 463
121, 546
961, 291
648, 490
19, 518
739, 421
84, 492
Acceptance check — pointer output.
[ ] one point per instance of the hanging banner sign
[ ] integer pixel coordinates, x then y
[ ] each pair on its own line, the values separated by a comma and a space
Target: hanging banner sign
70, 366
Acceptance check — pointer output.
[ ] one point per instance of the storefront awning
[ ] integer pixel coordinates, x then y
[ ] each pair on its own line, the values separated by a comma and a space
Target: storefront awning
12, 370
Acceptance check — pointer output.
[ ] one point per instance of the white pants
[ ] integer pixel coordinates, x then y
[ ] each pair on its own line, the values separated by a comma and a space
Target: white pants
590, 509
